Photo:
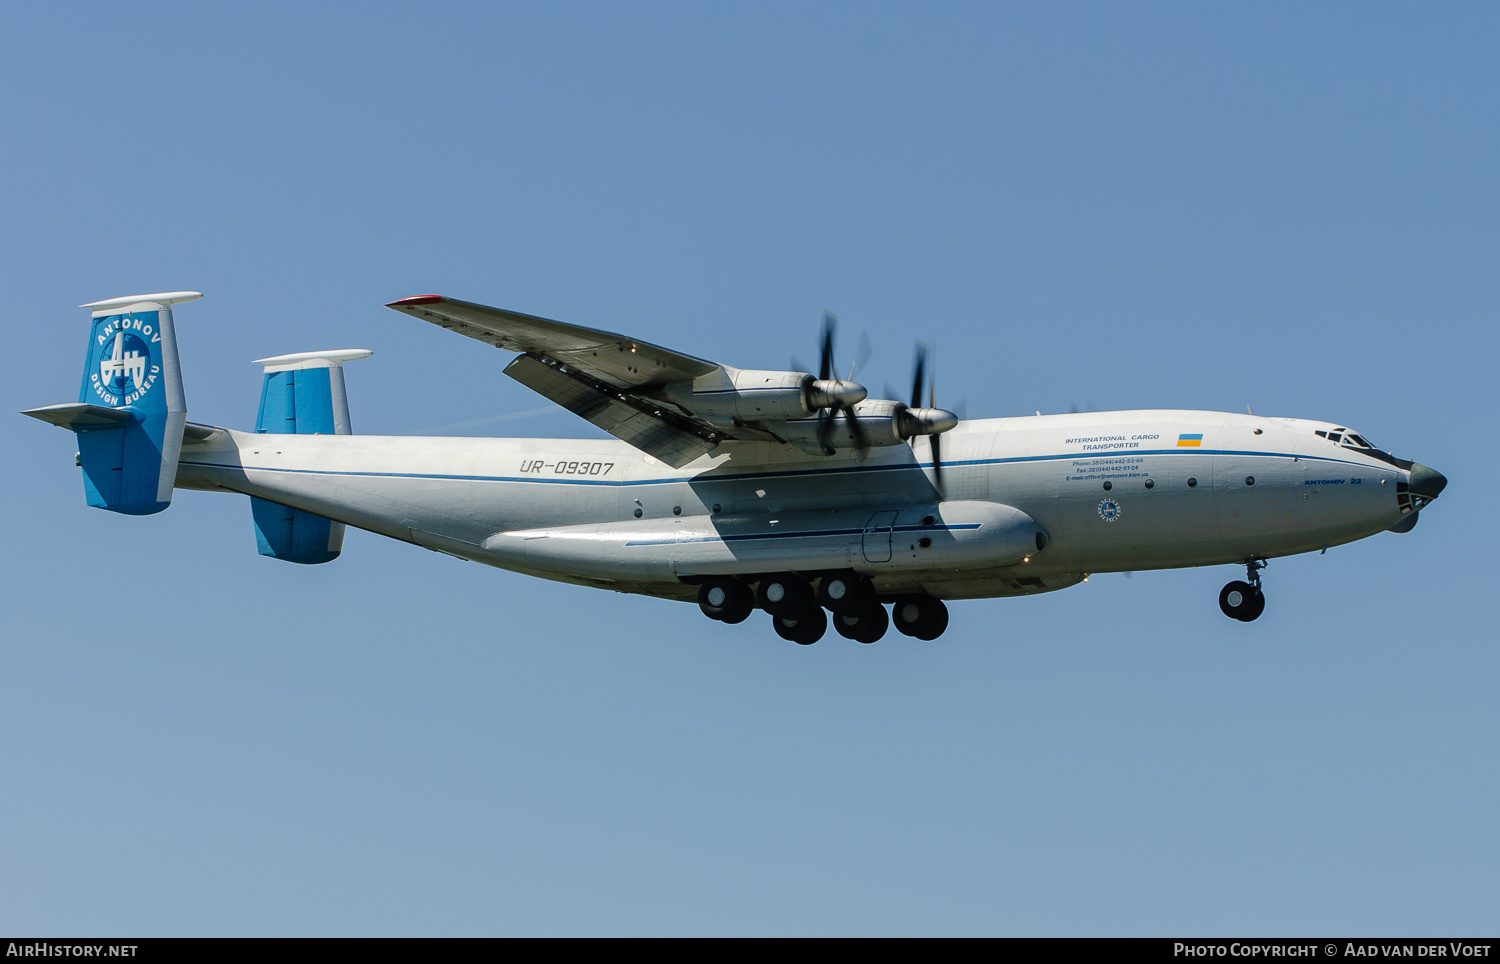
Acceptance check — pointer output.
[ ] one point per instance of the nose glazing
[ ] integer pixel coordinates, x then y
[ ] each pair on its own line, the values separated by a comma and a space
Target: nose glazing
1427, 482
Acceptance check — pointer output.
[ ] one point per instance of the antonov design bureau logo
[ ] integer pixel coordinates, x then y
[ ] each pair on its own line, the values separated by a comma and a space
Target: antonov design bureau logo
124, 369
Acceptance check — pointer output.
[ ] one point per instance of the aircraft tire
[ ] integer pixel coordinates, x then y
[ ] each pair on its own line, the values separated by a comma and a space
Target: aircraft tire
937, 623
845, 593
784, 593
804, 629
1242, 601
1257, 606
873, 623
866, 626
921, 616
727, 600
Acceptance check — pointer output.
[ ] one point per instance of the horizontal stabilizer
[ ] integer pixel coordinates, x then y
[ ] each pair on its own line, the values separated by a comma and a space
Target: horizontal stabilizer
81, 416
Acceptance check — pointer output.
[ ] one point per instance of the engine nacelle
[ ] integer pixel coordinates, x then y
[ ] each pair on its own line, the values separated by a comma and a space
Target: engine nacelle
879, 424
746, 394
752, 395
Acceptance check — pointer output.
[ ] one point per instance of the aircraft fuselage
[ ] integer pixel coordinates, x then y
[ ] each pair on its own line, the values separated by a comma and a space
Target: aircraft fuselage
1029, 504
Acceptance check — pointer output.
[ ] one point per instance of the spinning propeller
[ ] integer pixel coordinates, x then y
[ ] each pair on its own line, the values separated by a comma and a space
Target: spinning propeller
931, 421
834, 395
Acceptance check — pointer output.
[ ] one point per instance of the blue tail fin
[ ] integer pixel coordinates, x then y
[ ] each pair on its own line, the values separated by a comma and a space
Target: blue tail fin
302, 394
131, 408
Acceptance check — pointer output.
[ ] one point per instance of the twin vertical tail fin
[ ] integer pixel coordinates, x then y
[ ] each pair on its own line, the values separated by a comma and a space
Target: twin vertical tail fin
131, 408
131, 413
302, 394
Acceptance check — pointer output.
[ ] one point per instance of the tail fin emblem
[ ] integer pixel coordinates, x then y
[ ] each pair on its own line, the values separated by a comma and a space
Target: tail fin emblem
122, 364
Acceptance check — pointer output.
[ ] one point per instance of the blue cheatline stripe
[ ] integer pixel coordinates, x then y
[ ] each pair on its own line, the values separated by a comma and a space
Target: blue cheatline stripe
811, 533
791, 473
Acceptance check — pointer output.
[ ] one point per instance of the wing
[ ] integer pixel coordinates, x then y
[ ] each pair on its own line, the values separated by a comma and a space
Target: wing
603, 377
626, 363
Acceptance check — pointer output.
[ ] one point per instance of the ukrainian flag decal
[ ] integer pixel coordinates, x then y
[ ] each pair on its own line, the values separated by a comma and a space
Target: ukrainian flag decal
1189, 441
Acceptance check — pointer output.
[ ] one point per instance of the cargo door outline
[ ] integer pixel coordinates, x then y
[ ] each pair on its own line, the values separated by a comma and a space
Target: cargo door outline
876, 541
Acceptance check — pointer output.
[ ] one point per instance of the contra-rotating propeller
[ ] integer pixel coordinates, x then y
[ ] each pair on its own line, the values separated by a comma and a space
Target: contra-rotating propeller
931, 421
833, 396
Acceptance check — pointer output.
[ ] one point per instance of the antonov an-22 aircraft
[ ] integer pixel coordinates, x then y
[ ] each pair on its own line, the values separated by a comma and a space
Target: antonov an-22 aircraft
783, 491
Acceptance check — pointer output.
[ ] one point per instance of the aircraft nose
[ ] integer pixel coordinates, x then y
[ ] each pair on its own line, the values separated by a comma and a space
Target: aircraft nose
1427, 482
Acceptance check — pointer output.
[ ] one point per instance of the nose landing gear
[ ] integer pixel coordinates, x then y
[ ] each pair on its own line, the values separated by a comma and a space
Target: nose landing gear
1244, 600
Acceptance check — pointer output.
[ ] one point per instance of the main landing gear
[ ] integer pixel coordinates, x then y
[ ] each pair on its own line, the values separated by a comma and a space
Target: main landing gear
1244, 600
801, 613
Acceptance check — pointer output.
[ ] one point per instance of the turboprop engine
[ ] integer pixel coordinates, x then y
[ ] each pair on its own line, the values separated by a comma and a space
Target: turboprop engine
749, 395
873, 422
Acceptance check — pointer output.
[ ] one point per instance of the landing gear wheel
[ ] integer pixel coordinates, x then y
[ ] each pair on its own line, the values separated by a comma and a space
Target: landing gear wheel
805, 628
866, 627
846, 593
727, 600
784, 594
1242, 601
921, 616
1257, 606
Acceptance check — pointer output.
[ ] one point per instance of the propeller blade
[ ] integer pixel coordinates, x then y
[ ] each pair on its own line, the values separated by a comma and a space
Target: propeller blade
825, 429
932, 387
825, 361
961, 410
919, 371
861, 357
937, 461
861, 442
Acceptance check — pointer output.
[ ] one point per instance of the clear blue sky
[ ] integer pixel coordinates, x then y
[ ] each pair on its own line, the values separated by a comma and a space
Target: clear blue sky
1114, 206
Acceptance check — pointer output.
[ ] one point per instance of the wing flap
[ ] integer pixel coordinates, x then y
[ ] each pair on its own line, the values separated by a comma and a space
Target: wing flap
609, 357
659, 433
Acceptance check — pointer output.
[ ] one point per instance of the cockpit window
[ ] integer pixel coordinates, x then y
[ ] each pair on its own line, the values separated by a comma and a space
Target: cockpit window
1346, 438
